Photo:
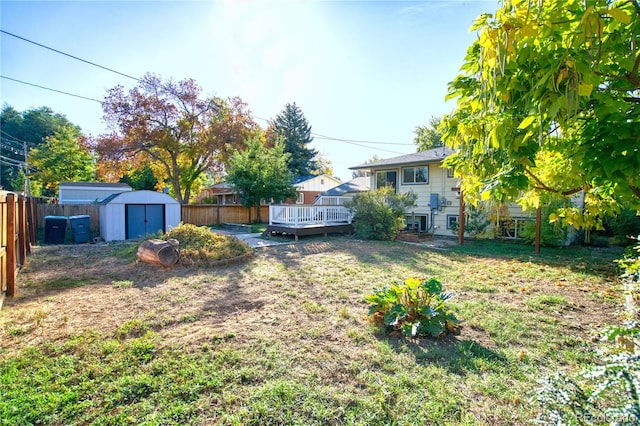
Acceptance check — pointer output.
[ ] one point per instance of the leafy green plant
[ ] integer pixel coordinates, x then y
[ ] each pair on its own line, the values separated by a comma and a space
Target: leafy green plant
553, 234
415, 308
379, 215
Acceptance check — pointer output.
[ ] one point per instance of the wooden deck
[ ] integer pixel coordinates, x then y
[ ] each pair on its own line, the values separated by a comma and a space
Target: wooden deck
300, 220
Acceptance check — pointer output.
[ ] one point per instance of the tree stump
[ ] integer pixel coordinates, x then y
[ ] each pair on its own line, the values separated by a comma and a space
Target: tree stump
159, 252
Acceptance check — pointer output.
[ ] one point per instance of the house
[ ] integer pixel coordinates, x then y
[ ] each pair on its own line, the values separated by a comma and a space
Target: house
438, 192
344, 192
88, 192
221, 193
310, 187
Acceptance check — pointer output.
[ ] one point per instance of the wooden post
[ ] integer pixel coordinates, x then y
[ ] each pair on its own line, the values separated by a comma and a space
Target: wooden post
538, 222
22, 231
11, 244
32, 226
461, 220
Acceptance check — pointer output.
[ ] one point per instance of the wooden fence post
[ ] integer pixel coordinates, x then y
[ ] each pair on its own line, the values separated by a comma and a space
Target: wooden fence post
22, 231
461, 220
538, 225
11, 244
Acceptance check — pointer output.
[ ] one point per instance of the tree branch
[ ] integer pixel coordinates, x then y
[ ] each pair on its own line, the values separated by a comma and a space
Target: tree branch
547, 188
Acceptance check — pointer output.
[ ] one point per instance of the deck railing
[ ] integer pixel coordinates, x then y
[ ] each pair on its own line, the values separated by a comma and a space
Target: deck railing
298, 216
325, 200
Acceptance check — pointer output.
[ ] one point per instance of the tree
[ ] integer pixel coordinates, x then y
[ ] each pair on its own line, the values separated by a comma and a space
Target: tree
63, 157
323, 165
170, 125
261, 173
22, 131
549, 101
428, 136
363, 173
291, 127
141, 178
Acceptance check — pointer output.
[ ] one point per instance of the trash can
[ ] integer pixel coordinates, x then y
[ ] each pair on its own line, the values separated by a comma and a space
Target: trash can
80, 228
55, 229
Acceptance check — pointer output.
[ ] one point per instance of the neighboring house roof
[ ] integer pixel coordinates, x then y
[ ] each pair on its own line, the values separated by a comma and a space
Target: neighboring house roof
429, 156
95, 185
302, 179
222, 188
358, 184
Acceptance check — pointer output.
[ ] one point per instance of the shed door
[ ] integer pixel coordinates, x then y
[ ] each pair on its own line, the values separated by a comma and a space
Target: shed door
143, 219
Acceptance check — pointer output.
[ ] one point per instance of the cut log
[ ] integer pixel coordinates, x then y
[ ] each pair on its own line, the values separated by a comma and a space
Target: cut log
159, 252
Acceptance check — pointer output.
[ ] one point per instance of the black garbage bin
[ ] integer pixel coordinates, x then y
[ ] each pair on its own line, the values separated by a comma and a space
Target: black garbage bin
80, 228
55, 229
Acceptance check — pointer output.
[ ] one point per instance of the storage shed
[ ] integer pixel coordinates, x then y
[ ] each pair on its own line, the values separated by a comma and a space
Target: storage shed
135, 214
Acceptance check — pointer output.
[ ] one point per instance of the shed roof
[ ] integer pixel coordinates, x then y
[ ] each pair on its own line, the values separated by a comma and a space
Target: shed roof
358, 184
140, 197
95, 185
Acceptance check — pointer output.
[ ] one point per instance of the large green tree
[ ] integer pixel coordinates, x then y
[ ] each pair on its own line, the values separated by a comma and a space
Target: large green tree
293, 130
428, 136
63, 157
172, 127
20, 131
260, 173
549, 101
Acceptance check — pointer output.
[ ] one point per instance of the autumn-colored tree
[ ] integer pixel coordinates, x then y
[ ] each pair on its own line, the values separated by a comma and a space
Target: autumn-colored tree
549, 101
170, 125
63, 157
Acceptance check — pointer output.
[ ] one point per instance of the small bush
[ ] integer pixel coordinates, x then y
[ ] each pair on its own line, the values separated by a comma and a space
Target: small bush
415, 308
199, 246
551, 234
379, 215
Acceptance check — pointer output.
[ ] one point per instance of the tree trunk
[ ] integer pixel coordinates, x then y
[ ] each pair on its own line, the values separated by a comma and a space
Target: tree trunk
158, 252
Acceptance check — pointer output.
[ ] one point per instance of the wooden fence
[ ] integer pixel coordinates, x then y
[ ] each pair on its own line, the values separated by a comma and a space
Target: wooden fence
17, 234
215, 214
92, 210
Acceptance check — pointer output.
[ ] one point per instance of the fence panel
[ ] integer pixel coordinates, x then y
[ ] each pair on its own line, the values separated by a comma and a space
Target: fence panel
216, 214
92, 210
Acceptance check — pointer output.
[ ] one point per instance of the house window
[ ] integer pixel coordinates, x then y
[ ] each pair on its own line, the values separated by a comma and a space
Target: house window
300, 199
450, 173
415, 175
386, 178
452, 221
321, 181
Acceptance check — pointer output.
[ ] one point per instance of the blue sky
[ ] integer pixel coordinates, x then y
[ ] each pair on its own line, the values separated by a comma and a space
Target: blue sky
366, 71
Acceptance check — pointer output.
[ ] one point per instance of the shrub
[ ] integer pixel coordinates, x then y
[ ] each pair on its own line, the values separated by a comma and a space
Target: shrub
200, 246
415, 308
379, 215
622, 226
551, 234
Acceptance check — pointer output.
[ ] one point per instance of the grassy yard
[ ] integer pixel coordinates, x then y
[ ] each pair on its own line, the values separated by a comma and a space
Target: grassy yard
94, 337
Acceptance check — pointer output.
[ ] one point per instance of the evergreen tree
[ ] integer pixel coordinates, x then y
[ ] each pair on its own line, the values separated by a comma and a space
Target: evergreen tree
293, 130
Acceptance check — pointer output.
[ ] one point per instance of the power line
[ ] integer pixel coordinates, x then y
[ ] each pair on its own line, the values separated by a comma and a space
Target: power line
70, 56
50, 89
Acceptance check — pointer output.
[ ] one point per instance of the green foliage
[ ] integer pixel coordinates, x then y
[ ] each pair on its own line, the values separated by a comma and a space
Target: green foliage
63, 157
292, 129
201, 247
415, 308
260, 173
552, 234
27, 129
379, 215
476, 224
623, 226
141, 178
547, 102
428, 137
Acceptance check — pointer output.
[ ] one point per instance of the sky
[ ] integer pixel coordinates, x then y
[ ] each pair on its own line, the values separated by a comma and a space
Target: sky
369, 71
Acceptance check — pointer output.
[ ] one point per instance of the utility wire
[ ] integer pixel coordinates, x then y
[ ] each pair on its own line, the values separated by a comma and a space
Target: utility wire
70, 56
52, 90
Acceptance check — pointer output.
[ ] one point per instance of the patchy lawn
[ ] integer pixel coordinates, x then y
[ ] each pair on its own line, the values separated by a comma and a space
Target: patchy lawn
94, 337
